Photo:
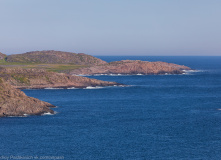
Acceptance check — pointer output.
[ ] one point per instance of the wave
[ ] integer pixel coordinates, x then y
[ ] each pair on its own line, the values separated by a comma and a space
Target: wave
48, 113
72, 88
96, 87
101, 87
193, 70
17, 116
190, 72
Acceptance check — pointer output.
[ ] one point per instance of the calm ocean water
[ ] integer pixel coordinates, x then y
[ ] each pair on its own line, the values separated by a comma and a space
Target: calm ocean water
158, 117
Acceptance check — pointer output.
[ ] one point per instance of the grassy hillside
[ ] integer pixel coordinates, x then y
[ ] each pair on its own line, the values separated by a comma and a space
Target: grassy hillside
64, 68
55, 57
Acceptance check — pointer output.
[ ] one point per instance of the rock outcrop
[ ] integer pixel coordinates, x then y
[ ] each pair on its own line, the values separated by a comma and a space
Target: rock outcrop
39, 78
55, 57
14, 102
132, 67
2, 56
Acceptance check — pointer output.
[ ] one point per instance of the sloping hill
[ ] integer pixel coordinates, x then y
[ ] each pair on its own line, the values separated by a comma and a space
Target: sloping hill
55, 57
14, 102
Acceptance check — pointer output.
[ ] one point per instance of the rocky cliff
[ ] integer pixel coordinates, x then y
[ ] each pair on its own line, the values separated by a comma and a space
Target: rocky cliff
132, 67
55, 57
14, 102
39, 78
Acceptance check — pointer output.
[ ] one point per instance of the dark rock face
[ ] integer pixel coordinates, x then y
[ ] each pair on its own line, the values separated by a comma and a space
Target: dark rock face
132, 67
2, 56
14, 102
55, 57
39, 78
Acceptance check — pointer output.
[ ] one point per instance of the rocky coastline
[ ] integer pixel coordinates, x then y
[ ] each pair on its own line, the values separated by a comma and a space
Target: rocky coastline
40, 79
14, 102
18, 72
132, 67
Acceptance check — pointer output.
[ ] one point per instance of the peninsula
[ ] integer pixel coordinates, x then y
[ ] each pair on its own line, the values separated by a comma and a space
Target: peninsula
132, 67
56, 69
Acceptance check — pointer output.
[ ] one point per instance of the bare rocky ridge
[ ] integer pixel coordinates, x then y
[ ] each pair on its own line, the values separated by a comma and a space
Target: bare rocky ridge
55, 57
14, 102
132, 67
39, 78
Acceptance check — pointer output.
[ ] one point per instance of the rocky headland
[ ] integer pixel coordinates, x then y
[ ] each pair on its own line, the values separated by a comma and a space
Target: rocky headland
132, 67
14, 102
40, 79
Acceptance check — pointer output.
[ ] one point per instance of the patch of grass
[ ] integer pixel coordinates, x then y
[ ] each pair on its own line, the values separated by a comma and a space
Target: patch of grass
48, 67
62, 67
21, 79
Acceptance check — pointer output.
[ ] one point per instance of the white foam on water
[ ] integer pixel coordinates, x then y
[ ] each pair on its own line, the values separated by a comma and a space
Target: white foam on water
191, 71
100, 74
90, 87
72, 88
48, 113
113, 74
24, 115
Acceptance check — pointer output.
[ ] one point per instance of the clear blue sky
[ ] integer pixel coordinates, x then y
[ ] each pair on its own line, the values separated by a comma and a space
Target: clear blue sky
112, 27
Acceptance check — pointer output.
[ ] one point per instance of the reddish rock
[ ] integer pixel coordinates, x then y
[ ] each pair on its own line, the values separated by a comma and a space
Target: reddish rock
132, 67
39, 78
14, 102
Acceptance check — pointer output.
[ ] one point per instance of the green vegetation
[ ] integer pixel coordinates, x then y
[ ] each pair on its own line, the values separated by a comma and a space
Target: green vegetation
21, 79
53, 61
49, 67
62, 67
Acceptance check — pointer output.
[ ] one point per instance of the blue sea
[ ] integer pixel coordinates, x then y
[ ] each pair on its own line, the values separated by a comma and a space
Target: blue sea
156, 117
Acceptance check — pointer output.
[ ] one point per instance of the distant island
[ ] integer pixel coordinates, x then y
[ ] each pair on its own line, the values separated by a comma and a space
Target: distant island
57, 69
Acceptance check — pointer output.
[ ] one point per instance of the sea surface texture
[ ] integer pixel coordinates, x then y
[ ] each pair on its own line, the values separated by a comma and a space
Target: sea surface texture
156, 117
